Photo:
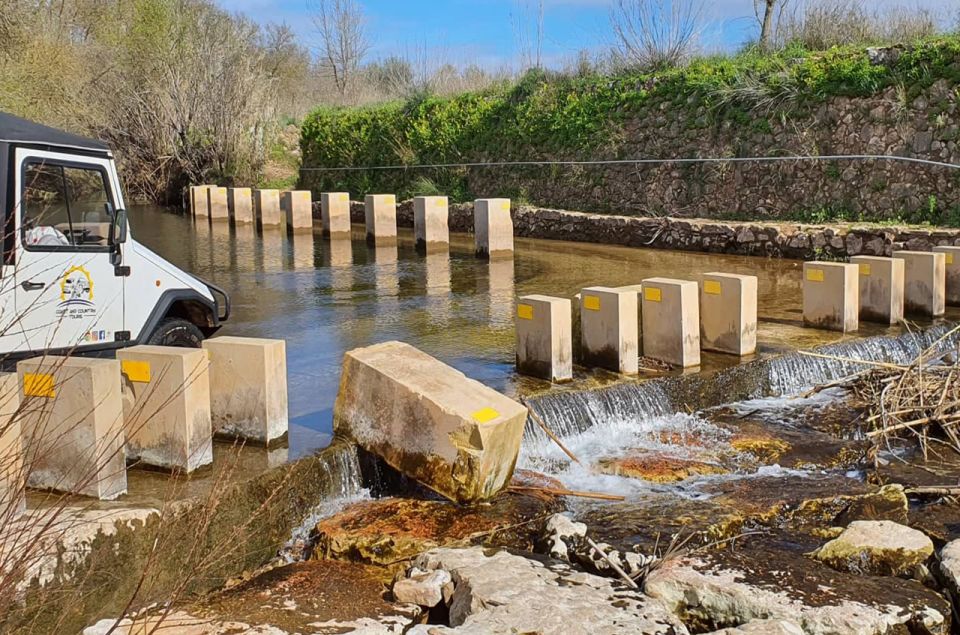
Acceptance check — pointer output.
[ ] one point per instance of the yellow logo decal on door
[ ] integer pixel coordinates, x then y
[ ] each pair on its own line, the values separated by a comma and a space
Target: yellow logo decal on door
76, 294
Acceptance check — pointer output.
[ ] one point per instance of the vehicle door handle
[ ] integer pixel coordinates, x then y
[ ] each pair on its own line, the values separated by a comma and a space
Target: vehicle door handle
31, 286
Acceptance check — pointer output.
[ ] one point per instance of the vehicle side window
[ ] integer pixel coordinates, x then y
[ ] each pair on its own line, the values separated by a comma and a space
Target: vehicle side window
64, 206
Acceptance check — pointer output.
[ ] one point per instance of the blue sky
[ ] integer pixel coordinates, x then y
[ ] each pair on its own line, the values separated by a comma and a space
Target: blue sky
483, 32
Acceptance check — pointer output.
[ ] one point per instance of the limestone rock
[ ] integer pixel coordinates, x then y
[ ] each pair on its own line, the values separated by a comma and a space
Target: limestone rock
421, 588
876, 547
763, 627
503, 593
950, 568
429, 421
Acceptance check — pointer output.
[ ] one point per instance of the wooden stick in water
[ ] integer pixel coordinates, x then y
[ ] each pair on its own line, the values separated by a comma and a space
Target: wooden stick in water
565, 492
543, 426
614, 565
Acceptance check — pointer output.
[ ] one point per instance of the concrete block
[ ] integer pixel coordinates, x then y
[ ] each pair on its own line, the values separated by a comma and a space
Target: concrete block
73, 425
380, 217
266, 206
671, 321
608, 329
297, 206
881, 288
493, 228
951, 258
831, 296
217, 203
728, 313
248, 388
199, 203
240, 204
166, 406
429, 421
335, 214
544, 337
638, 289
430, 223
924, 282
13, 477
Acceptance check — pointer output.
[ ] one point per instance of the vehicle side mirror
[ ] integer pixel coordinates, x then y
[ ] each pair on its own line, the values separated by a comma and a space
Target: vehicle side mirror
118, 227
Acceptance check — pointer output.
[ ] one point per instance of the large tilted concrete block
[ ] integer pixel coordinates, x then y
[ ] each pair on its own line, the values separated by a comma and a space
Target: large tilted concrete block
951, 259
217, 203
13, 478
728, 313
608, 329
493, 228
671, 321
73, 425
831, 296
431, 223
248, 388
429, 421
380, 217
335, 214
924, 282
199, 201
297, 206
266, 206
544, 337
240, 203
881, 288
166, 406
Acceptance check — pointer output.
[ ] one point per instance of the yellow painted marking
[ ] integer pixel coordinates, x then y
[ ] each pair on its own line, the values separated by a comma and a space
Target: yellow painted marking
591, 302
652, 294
38, 385
949, 258
343, 198
390, 199
815, 275
136, 371
525, 311
711, 287
864, 269
485, 415
504, 206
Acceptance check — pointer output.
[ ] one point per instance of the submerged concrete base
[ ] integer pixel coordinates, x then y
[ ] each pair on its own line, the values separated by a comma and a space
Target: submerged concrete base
831, 296
924, 282
429, 421
248, 388
671, 321
166, 406
608, 329
73, 425
728, 313
881, 288
544, 338
335, 214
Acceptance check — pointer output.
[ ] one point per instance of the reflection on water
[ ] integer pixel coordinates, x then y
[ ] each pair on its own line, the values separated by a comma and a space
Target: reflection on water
326, 297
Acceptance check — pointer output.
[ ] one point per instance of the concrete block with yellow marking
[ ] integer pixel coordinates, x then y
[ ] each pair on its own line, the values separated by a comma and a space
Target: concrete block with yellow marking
608, 329
297, 207
335, 214
72, 418
429, 421
638, 289
831, 296
13, 478
671, 321
493, 228
166, 406
431, 223
240, 204
951, 259
924, 282
248, 388
544, 337
380, 217
266, 207
880, 288
217, 203
728, 313
198, 200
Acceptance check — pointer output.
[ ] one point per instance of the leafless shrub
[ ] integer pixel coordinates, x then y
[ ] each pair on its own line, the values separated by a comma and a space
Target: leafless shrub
341, 26
527, 20
656, 34
820, 24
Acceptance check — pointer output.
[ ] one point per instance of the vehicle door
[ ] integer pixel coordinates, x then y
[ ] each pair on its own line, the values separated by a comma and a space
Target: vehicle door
69, 293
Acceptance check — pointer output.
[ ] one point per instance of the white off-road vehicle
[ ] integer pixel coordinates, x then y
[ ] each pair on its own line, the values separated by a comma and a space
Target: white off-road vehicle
73, 279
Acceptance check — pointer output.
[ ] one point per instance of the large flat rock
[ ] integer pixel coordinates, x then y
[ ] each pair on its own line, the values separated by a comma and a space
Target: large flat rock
429, 421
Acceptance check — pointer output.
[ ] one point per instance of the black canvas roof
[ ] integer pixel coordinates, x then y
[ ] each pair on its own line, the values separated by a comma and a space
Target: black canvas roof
17, 130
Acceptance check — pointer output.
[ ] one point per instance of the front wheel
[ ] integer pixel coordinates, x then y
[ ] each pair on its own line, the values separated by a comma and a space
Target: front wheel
176, 332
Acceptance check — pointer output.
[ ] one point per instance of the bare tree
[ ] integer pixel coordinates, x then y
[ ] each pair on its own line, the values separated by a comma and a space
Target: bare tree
343, 38
772, 9
656, 34
528, 31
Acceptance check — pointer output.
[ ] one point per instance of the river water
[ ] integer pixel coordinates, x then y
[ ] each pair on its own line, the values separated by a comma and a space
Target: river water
325, 298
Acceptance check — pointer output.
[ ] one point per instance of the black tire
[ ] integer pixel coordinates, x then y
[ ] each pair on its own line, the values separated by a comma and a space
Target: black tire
176, 332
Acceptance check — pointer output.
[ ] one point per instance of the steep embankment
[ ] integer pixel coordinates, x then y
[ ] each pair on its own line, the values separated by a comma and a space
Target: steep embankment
893, 101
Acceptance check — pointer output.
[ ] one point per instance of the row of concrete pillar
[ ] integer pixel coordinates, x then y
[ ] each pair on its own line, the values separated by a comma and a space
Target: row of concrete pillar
267, 208
837, 296
662, 318
71, 424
